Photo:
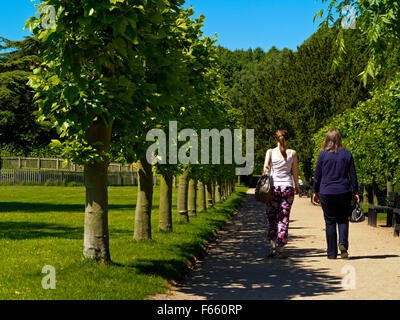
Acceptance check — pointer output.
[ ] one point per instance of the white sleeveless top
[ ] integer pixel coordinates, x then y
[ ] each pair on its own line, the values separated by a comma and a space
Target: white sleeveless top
281, 169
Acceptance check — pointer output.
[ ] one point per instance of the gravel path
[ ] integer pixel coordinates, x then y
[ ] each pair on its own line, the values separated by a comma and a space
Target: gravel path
236, 268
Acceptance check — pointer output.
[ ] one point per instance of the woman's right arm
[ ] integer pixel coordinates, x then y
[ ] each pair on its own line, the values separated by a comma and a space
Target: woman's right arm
266, 162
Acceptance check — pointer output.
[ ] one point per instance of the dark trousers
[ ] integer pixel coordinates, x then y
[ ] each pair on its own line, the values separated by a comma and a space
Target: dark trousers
337, 209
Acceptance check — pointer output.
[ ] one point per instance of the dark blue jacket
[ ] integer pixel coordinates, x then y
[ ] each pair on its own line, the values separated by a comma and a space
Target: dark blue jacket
333, 171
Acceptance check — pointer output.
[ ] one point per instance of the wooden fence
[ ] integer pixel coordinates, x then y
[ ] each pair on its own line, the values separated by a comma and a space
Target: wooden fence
54, 164
54, 177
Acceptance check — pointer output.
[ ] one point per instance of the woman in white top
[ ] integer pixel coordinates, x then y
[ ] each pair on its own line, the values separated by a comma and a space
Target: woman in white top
282, 162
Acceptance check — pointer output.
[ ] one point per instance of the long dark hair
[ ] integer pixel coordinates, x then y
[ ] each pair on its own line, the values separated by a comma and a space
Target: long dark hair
282, 136
333, 141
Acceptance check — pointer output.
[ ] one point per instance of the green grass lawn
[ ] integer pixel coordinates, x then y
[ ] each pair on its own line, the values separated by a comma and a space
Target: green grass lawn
44, 226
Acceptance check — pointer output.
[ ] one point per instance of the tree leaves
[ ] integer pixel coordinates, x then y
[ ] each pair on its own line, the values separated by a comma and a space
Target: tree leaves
371, 132
20, 132
130, 64
298, 91
378, 22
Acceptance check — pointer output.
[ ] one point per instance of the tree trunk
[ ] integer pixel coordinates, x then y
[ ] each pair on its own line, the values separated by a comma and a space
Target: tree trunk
218, 195
174, 179
202, 203
209, 196
223, 191
374, 193
96, 236
213, 190
183, 215
144, 201
165, 212
389, 183
365, 196
192, 197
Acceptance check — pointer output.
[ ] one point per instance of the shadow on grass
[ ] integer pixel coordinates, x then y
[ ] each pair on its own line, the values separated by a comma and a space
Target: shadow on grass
51, 207
24, 230
169, 269
186, 253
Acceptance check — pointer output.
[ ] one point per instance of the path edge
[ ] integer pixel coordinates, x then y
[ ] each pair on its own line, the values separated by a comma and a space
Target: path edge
191, 264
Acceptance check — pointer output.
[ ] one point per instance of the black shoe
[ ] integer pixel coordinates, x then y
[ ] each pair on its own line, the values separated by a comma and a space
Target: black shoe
272, 253
343, 252
282, 255
331, 257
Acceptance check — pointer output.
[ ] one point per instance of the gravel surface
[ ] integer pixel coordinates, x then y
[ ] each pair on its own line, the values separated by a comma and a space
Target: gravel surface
236, 267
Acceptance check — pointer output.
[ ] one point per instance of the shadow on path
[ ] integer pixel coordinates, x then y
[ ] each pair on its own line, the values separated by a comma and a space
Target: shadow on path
236, 267
385, 256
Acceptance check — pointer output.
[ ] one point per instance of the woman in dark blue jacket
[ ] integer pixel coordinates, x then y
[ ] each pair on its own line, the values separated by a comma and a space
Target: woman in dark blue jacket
335, 182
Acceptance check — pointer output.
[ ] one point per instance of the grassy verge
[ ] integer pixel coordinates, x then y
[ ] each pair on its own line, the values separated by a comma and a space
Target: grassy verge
44, 226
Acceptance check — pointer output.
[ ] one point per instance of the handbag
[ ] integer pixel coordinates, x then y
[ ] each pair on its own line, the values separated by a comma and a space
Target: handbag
357, 213
264, 187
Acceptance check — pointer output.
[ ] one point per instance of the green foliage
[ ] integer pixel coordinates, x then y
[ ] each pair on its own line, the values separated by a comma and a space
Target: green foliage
242, 71
77, 83
155, 66
371, 132
379, 24
303, 93
20, 132
198, 92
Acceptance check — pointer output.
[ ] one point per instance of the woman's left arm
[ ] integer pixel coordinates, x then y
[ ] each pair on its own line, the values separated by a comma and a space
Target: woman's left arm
295, 171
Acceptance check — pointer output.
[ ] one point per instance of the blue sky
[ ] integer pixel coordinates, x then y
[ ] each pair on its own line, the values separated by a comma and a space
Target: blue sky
240, 24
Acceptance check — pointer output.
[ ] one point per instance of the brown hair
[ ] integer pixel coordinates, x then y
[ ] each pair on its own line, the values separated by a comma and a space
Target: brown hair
282, 136
333, 141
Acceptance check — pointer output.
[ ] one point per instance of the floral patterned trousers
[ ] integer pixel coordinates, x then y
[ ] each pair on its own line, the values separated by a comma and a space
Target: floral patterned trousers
278, 212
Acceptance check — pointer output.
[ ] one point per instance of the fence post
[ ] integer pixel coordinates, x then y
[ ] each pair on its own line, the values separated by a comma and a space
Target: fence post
38, 163
19, 163
58, 164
